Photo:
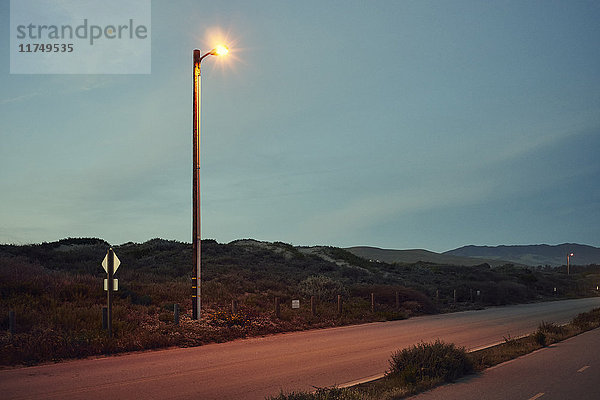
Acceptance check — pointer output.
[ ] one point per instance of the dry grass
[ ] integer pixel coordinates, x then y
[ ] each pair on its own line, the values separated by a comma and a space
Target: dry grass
59, 314
56, 292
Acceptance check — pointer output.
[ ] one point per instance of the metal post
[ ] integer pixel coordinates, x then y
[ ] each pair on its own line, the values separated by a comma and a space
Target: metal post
196, 243
454, 296
110, 272
176, 314
11, 322
104, 318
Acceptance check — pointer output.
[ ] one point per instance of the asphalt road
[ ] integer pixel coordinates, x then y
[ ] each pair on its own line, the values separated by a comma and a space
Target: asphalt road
255, 368
566, 370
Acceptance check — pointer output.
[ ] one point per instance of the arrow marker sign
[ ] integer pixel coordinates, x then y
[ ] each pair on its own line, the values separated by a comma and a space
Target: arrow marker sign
116, 263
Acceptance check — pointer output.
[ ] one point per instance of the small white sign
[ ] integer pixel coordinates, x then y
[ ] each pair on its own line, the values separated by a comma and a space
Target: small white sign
295, 303
115, 285
116, 264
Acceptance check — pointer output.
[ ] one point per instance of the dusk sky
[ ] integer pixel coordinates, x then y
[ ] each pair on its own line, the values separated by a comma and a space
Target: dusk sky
395, 124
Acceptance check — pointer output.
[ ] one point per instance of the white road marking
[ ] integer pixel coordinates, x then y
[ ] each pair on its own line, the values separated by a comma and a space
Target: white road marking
583, 368
362, 380
537, 396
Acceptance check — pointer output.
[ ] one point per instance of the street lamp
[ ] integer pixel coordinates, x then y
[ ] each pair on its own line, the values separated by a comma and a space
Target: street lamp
568, 262
196, 243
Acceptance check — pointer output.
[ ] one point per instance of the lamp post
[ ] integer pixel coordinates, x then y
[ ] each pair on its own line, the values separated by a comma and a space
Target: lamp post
196, 243
568, 262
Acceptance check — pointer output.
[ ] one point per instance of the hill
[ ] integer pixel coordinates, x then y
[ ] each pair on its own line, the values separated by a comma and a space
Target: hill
55, 290
541, 254
418, 255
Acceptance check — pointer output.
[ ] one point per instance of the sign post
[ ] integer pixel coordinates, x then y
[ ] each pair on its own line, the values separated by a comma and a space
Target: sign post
110, 264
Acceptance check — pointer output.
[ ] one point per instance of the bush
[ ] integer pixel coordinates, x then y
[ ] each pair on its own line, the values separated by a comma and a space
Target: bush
413, 301
540, 337
322, 287
429, 362
321, 394
588, 320
551, 328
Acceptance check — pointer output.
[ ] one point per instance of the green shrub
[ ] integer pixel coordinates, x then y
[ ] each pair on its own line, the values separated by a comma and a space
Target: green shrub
322, 287
551, 328
390, 315
430, 361
413, 301
321, 394
540, 337
588, 320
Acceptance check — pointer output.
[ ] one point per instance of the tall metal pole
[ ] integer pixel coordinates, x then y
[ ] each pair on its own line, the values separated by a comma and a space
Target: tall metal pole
196, 243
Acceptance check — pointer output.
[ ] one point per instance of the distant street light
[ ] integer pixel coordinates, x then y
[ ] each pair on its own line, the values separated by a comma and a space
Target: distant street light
568, 262
196, 243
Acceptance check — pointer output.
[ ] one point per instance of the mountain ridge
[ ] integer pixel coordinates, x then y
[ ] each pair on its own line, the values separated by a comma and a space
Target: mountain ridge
411, 256
536, 254
471, 255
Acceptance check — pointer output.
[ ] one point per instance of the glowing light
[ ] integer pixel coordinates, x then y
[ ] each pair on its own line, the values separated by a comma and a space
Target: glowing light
571, 254
220, 50
220, 42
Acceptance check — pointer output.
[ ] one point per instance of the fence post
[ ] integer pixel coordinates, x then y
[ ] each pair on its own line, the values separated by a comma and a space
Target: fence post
176, 314
454, 296
471, 294
234, 306
437, 295
372, 302
397, 300
313, 306
277, 308
339, 310
11, 322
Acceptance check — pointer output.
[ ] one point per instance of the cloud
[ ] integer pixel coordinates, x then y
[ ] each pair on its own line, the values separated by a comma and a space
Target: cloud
19, 98
373, 209
525, 169
88, 83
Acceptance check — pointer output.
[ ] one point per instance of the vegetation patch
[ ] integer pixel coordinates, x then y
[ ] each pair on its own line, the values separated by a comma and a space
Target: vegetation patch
430, 362
546, 335
55, 291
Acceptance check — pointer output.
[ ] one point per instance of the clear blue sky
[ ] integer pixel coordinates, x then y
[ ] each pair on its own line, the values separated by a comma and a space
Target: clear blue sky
397, 124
